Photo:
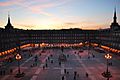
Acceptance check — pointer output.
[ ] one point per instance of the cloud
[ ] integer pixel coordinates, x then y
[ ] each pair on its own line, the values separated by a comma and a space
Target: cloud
35, 6
84, 25
40, 8
24, 26
27, 26
71, 23
9, 2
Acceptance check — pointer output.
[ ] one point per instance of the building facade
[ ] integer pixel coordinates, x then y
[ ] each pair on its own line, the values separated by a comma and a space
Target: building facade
12, 39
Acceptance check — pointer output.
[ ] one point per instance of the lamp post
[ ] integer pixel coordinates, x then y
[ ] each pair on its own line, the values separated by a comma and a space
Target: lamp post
107, 56
18, 58
107, 74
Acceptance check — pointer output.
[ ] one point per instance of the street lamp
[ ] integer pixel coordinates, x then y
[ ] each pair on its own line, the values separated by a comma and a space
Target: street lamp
107, 56
107, 74
18, 58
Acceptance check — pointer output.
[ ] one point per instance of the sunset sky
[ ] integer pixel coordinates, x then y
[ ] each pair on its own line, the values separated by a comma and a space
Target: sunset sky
59, 14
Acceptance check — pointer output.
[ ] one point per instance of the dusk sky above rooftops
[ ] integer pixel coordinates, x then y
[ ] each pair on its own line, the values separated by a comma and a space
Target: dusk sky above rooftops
59, 14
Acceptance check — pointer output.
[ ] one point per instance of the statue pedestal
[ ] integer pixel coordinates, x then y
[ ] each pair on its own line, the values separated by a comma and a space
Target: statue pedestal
18, 75
62, 58
106, 74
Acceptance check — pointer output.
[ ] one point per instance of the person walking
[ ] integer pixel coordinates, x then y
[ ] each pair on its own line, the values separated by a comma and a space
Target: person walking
43, 67
93, 55
46, 65
67, 72
68, 55
80, 56
51, 61
59, 63
11, 71
75, 73
74, 77
86, 74
63, 78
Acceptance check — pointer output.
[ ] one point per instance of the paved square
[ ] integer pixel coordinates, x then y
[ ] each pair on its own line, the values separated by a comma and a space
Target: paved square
48, 67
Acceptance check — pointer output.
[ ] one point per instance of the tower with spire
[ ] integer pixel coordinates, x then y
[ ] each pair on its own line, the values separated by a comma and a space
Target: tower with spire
115, 17
114, 25
9, 25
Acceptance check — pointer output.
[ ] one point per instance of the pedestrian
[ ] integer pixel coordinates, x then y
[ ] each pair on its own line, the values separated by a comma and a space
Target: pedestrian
31, 65
43, 67
62, 77
93, 55
51, 55
74, 77
46, 65
88, 57
40, 54
79, 56
36, 58
75, 52
11, 71
67, 55
48, 58
86, 74
51, 61
59, 63
65, 71
75, 73
111, 63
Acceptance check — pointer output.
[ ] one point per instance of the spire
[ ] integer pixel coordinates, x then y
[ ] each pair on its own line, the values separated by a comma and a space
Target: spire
8, 18
9, 25
115, 25
115, 17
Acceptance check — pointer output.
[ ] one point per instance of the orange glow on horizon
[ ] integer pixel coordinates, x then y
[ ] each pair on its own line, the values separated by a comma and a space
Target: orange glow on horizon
49, 24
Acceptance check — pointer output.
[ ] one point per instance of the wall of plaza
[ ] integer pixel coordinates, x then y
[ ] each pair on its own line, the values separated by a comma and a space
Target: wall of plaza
10, 40
110, 39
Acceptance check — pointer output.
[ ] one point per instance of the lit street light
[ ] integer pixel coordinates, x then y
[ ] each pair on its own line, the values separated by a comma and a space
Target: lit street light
107, 74
18, 58
108, 56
